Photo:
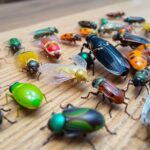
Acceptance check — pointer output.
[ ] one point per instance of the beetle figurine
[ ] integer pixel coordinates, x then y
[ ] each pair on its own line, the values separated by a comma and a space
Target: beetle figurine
26, 95
140, 79
128, 39
50, 31
86, 31
75, 122
115, 15
134, 19
4, 117
15, 45
107, 55
88, 24
70, 37
29, 62
109, 90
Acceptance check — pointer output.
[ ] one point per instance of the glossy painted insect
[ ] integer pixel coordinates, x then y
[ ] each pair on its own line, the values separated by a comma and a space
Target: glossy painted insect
107, 55
70, 37
29, 62
115, 15
128, 39
51, 48
87, 31
133, 19
146, 28
140, 79
104, 21
59, 73
15, 45
26, 95
88, 24
109, 90
4, 117
45, 32
76, 122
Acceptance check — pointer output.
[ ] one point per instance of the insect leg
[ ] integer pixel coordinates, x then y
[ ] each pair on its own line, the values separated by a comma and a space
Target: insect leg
84, 45
110, 132
129, 83
110, 109
51, 137
5, 110
147, 89
11, 122
98, 104
38, 76
42, 128
90, 143
45, 98
139, 93
97, 93
117, 44
6, 96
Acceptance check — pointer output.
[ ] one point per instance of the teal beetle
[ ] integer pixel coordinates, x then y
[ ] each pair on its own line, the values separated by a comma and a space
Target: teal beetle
75, 122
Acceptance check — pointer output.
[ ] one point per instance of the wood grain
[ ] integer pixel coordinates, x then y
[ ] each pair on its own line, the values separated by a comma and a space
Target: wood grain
26, 133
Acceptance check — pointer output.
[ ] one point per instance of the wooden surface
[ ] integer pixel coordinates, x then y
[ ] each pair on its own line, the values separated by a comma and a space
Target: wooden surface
26, 135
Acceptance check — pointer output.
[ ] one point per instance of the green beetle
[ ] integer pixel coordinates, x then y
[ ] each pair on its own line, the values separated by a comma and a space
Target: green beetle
14, 44
75, 122
45, 32
26, 95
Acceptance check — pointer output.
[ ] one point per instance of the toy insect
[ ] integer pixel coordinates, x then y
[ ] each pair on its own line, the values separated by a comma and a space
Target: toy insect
70, 37
109, 90
59, 73
115, 15
104, 21
29, 62
76, 122
140, 79
138, 57
4, 117
107, 55
45, 32
26, 95
86, 31
15, 45
133, 19
88, 24
51, 48
146, 28
128, 39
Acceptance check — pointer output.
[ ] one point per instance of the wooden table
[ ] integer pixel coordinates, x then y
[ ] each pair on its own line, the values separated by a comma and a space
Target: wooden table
26, 133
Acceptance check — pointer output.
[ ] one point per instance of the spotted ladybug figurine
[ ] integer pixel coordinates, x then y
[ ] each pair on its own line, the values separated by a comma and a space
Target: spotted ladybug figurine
70, 37
75, 122
26, 95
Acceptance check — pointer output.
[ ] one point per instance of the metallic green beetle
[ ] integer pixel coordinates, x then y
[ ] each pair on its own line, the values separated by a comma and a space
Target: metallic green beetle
45, 32
26, 95
75, 122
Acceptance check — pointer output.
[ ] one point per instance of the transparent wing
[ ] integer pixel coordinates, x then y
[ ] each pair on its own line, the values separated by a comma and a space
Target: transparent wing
79, 61
145, 116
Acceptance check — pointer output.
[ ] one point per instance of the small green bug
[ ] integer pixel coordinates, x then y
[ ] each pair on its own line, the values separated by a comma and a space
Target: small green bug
26, 95
76, 122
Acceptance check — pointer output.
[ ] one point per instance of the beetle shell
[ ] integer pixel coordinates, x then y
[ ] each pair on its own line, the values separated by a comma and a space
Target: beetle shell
14, 44
87, 31
88, 24
27, 95
80, 120
108, 55
134, 19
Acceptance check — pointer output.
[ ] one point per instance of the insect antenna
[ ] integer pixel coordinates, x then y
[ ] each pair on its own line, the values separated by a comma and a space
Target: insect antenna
90, 143
42, 128
110, 132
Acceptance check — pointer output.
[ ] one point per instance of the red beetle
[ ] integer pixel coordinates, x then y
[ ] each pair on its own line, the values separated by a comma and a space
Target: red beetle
107, 89
51, 47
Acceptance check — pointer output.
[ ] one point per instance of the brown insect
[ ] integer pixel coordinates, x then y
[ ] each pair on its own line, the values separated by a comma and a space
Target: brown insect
115, 15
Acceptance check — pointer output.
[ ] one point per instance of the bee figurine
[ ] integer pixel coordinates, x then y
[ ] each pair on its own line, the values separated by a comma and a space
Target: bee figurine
74, 122
70, 37
29, 62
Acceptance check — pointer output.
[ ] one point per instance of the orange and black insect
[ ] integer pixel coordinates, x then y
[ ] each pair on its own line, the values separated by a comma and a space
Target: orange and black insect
109, 90
70, 37
138, 58
87, 31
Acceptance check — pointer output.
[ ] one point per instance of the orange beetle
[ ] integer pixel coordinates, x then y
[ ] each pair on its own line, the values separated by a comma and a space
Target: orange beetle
70, 37
87, 31
138, 58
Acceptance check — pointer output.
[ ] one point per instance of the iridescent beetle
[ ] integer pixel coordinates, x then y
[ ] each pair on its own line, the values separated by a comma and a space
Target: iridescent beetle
75, 122
59, 73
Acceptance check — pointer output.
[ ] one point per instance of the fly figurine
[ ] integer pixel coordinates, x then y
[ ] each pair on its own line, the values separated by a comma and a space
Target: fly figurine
87, 31
140, 79
134, 19
115, 15
70, 37
29, 62
107, 55
50, 31
128, 39
88, 24
74, 122
109, 90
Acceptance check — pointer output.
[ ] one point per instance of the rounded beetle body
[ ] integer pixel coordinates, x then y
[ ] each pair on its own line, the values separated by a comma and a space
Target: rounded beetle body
26, 95
134, 19
115, 14
76, 121
88, 24
87, 31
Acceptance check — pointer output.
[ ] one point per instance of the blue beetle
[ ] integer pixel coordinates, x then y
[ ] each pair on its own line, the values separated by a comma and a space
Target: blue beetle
107, 55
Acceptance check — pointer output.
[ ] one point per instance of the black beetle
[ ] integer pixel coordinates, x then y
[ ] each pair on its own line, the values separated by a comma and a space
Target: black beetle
133, 19
128, 39
107, 55
88, 24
